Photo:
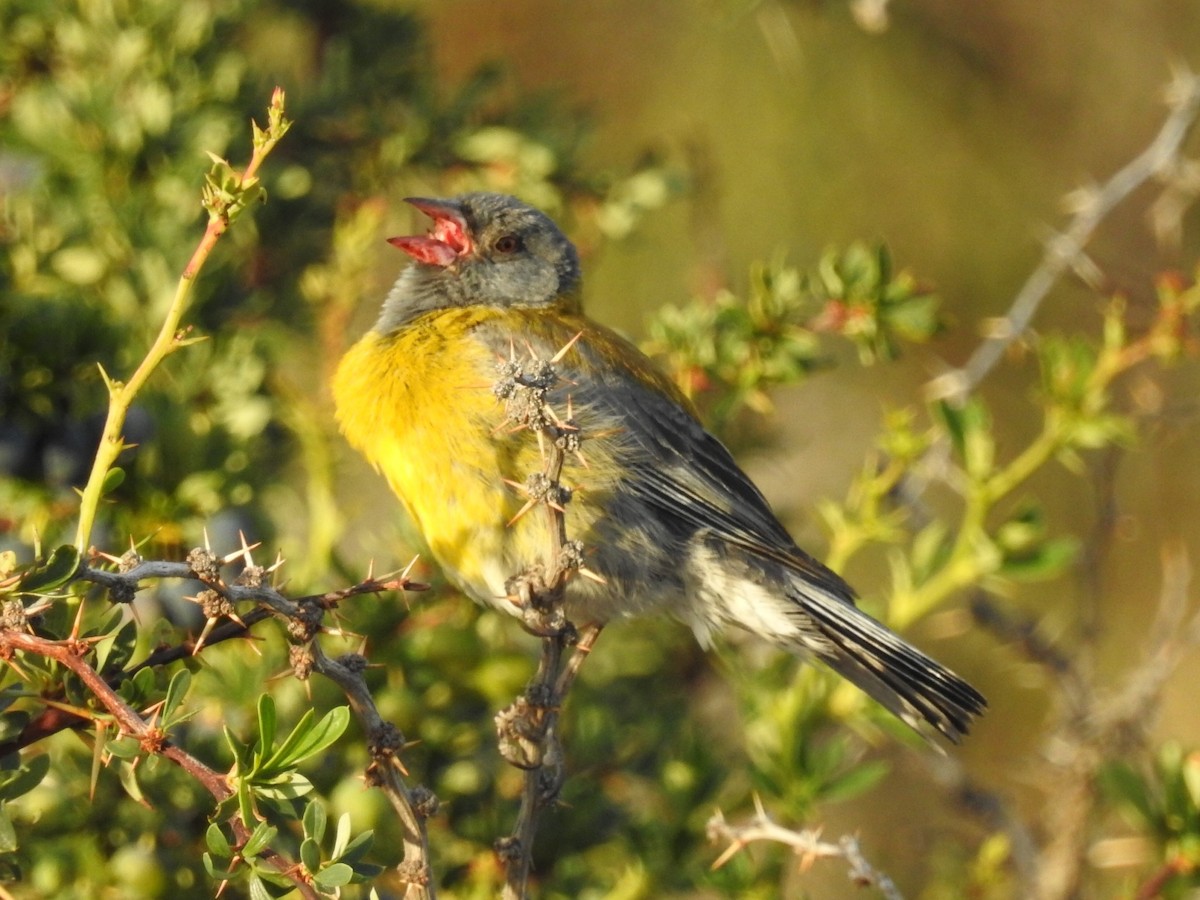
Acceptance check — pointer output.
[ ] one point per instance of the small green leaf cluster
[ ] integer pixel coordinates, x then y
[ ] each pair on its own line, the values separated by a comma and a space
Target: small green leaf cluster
18, 776
728, 352
266, 774
268, 788
1000, 534
800, 750
863, 299
1161, 801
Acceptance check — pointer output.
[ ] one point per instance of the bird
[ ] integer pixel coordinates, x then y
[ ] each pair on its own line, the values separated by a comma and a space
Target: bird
669, 522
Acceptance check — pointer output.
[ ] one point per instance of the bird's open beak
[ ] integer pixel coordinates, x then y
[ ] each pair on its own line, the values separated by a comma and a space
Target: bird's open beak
449, 239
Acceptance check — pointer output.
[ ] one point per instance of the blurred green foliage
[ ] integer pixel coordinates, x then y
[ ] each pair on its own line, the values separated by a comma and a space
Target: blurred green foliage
111, 109
1161, 800
107, 112
733, 350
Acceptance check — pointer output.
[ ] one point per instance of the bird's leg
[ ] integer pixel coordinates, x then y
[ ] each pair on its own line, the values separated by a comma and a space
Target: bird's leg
541, 605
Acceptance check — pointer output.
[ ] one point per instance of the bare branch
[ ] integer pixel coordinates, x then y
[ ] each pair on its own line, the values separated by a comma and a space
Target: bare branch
1096, 725
1065, 251
806, 844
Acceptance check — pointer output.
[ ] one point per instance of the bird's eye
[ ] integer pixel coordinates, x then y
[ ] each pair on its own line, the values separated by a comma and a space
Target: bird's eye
508, 243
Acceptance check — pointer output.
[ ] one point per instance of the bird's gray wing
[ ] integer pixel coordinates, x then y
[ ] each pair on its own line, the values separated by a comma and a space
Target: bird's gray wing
679, 469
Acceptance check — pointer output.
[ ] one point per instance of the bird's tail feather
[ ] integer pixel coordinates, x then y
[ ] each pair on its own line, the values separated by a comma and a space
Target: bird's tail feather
908, 683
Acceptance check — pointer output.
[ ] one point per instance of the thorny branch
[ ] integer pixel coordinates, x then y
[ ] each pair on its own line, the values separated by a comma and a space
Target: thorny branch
384, 743
1162, 160
806, 844
71, 654
527, 729
303, 617
202, 566
226, 195
1094, 723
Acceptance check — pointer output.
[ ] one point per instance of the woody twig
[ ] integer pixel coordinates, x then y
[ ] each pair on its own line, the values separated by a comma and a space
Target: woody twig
527, 729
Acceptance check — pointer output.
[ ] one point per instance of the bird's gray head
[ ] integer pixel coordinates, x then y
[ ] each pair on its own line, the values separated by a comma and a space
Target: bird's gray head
483, 250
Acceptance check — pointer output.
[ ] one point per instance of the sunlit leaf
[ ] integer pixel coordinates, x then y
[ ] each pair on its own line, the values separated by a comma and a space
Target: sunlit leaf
218, 845
259, 839
333, 876
314, 821
55, 572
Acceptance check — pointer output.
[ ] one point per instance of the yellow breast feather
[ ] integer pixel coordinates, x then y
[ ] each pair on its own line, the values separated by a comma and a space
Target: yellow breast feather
418, 404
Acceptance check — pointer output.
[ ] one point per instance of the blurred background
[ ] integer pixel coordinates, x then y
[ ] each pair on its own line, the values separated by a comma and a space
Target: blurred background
680, 143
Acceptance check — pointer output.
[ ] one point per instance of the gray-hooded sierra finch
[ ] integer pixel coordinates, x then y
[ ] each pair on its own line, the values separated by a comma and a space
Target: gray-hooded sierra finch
669, 520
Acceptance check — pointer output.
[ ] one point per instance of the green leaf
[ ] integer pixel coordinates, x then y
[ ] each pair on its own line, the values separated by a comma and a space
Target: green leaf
276, 883
1047, 560
218, 844
241, 753
367, 871
333, 876
266, 728
225, 809
1129, 789
314, 821
258, 889
269, 763
1191, 778
854, 781
137, 691
8, 834
968, 429
952, 419
115, 649
259, 840
128, 775
26, 778
342, 840
979, 449
1100, 430
124, 747
102, 649
113, 480
310, 855
916, 319
8, 563
930, 549
176, 691
12, 724
124, 645
10, 695
1023, 530
287, 786
219, 873
57, 571
245, 802
308, 738
357, 848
